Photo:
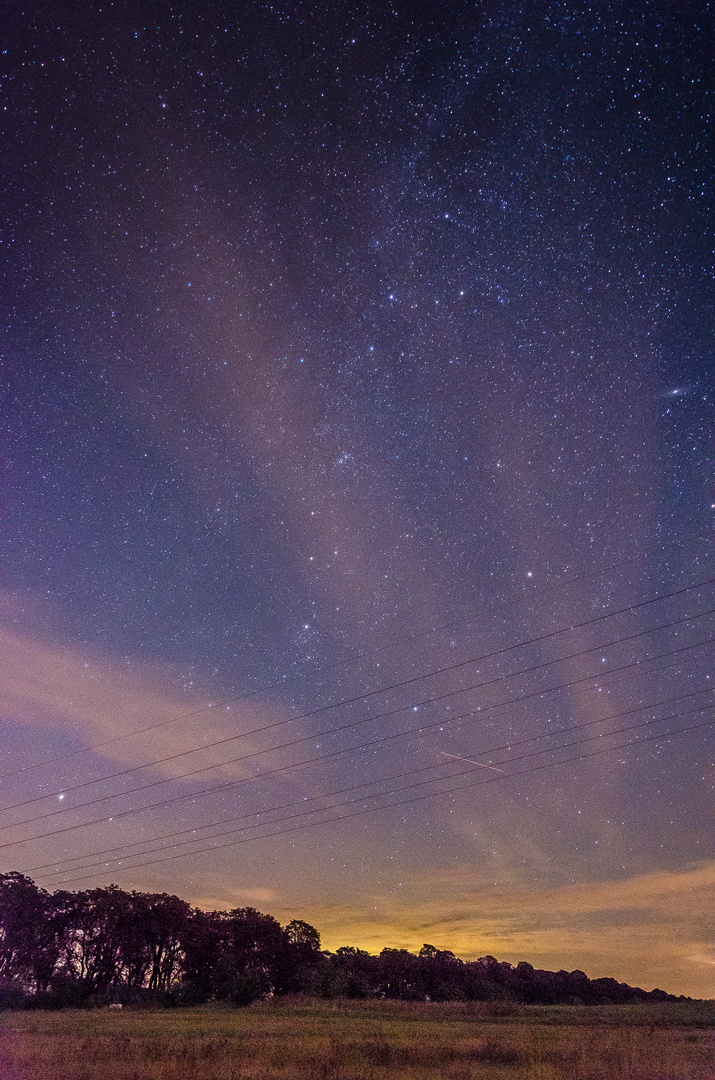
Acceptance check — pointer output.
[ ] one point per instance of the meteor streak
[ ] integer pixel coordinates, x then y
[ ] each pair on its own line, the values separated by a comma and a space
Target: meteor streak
460, 758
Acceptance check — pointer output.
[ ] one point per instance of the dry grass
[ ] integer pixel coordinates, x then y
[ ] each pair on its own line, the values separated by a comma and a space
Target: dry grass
308, 1040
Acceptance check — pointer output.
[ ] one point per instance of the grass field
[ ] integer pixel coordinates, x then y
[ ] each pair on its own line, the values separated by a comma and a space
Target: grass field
377, 1040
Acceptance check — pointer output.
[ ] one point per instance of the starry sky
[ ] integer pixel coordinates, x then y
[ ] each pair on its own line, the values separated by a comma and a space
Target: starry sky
356, 412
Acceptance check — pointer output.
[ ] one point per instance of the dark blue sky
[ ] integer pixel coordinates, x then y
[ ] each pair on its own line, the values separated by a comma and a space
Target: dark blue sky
343, 347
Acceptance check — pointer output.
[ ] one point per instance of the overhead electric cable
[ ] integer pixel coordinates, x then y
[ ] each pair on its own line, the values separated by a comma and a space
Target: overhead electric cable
372, 693
382, 739
405, 802
281, 683
380, 780
383, 794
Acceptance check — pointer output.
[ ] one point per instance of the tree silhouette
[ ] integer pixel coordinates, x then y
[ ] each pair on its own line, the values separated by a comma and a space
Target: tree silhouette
102, 943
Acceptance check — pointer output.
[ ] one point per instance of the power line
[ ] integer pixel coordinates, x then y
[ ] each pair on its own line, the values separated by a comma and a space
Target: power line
364, 697
382, 739
403, 802
383, 780
378, 795
537, 593
372, 783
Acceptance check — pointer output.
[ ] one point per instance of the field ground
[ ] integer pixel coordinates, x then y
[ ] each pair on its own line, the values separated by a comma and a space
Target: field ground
378, 1040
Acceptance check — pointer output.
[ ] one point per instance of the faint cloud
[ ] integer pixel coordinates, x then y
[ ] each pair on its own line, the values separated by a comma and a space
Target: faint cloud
93, 700
648, 929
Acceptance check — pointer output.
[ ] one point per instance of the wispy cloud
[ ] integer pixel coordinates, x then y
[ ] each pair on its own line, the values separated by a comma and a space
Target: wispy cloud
96, 702
608, 928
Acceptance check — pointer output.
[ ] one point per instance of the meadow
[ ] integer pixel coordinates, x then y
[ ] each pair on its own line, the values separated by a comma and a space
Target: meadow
299, 1039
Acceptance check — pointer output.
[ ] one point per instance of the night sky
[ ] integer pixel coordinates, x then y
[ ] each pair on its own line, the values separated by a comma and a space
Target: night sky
357, 408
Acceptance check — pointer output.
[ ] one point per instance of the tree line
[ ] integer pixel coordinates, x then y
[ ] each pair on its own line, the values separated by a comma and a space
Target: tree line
107, 945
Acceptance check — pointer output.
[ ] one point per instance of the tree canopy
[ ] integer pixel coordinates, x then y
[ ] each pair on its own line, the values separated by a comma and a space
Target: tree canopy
106, 944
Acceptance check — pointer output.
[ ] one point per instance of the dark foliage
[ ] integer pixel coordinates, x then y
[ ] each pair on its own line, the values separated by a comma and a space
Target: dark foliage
106, 945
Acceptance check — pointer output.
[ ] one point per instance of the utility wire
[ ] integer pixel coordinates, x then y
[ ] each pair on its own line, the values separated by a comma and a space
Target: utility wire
382, 739
373, 783
537, 593
364, 697
369, 783
383, 794
402, 802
